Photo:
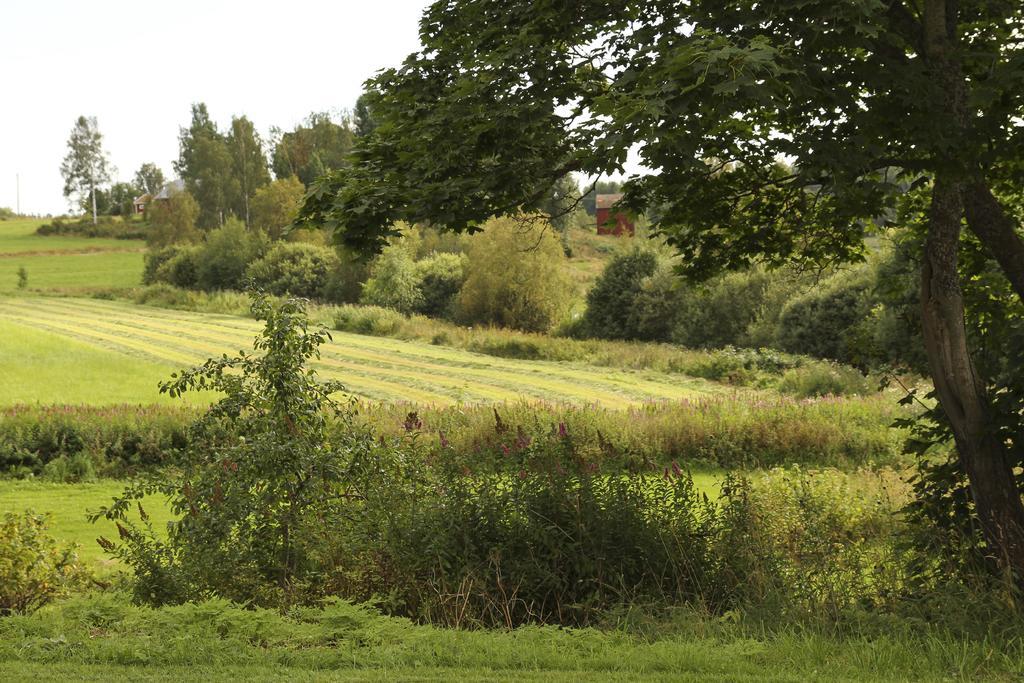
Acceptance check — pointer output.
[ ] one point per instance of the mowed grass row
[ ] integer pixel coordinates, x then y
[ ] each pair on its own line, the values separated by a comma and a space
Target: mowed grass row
372, 367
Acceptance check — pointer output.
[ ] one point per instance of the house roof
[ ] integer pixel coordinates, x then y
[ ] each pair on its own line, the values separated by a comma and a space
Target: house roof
143, 198
606, 201
171, 188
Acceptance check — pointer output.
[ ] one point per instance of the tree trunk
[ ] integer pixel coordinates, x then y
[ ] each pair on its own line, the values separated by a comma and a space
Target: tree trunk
94, 205
961, 392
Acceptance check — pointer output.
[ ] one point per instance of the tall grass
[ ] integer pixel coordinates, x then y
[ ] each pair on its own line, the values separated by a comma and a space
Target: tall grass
729, 432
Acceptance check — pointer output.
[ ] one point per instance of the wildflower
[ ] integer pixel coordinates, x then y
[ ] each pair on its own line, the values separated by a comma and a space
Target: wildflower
444, 440
412, 422
505, 450
562, 430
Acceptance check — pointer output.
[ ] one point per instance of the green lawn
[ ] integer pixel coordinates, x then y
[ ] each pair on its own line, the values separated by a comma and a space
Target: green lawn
67, 264
68, 504
371, 367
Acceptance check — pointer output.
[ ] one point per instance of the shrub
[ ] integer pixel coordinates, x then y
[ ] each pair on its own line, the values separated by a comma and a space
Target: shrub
549, 540
294, 269
154, 259
345, 281
180, 269
109, 227
515, 276
394, 280
440, 278
34, 568
611, 302
222, 259
172, 220
165, 296
827, 321
275, 206
722, 311
259, 480
823, 379
372, 320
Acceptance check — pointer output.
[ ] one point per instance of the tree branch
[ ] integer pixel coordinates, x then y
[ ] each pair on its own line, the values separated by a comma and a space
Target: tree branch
989, 221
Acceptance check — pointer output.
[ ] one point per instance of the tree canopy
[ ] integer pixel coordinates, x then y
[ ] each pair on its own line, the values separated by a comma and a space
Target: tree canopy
316, 146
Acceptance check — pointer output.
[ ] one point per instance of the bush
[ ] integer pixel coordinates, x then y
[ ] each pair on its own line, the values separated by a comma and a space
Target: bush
275, 206
824, 379
180, 269
172, 220
294, 269
259, 479
515, 277
345, 281
394, 280
549, 540
828, 321
440, 276
612, 301
222, 259
372, 320
726, 310
154, 259
108, 227
34, 568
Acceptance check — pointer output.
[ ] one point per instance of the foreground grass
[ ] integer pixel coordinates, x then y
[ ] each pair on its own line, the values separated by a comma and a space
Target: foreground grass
103, 637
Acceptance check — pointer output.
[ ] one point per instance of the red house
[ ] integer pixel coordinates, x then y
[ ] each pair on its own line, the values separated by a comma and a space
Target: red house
609, 221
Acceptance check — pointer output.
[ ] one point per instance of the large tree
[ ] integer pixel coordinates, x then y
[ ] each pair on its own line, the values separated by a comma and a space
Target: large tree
863, 98
248, 164
205, 164
85, 168
316, 146
149, 178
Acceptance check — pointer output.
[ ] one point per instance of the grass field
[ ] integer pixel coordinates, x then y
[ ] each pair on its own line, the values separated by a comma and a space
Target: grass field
371, 367
40, 367
68, 264
67, 505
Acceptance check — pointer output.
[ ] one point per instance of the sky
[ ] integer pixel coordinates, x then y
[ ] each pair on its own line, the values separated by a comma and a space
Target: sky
138, 67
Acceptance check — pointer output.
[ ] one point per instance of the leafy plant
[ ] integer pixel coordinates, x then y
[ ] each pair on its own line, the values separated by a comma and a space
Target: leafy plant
258, 480
34, 568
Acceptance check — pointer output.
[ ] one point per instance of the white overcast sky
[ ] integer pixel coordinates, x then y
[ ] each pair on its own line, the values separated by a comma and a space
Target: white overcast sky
138, 67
